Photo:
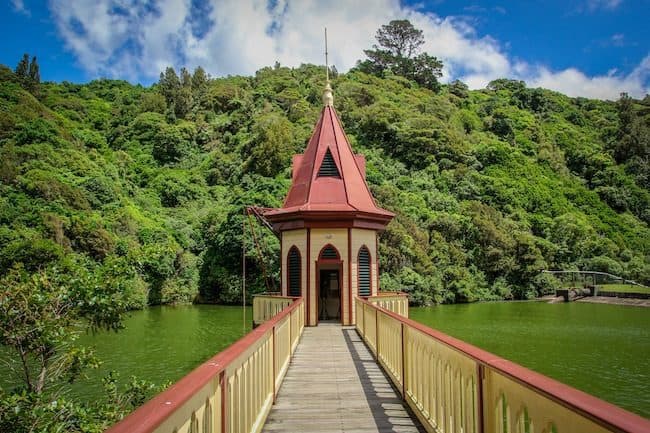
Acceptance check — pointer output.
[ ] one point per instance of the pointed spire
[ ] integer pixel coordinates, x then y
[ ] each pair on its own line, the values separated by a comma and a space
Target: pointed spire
328, 97
329, 177
328, 180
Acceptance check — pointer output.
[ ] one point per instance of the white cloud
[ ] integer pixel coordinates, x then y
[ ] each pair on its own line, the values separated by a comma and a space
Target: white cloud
618, 39
19, 6
575, 83
124, 38
593, 5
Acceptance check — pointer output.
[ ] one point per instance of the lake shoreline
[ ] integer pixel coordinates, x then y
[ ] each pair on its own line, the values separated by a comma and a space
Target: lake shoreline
609, 300
632, 302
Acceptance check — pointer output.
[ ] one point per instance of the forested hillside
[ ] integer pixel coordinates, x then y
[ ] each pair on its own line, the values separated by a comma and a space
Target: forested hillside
144, 188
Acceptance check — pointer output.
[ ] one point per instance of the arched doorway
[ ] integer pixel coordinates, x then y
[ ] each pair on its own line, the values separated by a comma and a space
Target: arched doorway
329, 269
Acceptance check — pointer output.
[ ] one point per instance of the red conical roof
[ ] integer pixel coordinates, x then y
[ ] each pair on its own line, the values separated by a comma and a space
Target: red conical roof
329, 179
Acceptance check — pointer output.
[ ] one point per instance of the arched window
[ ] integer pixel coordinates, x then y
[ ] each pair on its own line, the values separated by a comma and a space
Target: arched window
328, 253
365, 287
294, 270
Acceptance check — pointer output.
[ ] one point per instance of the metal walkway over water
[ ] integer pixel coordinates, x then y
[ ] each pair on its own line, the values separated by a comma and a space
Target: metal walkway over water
334, 385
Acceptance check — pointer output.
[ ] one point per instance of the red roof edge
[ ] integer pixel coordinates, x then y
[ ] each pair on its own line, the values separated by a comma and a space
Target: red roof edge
310, 192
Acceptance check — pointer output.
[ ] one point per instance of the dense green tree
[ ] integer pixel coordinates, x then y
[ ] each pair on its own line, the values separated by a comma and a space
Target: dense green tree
108, 169
199, 79
184, 98
186, 78
170, 144
34, 75
182, 93
153, 102
459, 89
400, 38
43, 313
169, 86
633, 136
200, 86
28, 74
399, 52
23, 67
271, 146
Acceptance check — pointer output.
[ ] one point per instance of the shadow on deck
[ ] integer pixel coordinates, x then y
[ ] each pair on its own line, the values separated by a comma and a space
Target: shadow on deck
334, 385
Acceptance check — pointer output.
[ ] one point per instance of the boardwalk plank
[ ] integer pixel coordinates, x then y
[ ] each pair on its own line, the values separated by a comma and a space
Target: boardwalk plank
333, 385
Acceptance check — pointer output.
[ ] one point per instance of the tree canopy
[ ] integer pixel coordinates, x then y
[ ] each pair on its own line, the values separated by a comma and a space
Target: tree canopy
399, 53
28, 73
489, 186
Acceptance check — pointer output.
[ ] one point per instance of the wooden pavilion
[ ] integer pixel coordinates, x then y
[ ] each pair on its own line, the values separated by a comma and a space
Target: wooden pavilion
329, 224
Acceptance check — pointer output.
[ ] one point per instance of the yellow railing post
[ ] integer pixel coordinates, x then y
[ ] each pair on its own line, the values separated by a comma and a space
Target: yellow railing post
267, 306
391, 301
363, 306
273, 363
403, 344
233, 391
377, 333
224, 414
480, 408
452, 386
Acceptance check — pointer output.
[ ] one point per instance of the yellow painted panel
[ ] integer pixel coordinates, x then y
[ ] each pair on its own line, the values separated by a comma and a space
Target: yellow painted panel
436, 383
282, 341
396, 303
389, 347
541, 411
265, 307
361, 237
193, 410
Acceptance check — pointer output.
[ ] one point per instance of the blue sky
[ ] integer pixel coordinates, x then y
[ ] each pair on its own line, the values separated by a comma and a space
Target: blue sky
594, 48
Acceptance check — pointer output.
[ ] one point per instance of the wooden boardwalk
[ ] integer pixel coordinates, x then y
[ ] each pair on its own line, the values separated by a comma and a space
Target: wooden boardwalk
334, 385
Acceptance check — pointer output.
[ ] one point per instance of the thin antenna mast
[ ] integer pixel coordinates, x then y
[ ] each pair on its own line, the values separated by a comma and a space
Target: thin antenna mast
243, 270
327, 65
328, 98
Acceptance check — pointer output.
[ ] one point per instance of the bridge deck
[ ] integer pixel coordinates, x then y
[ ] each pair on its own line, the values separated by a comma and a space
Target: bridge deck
334, 385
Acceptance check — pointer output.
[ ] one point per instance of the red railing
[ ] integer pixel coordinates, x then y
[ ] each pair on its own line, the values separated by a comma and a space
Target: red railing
412, 352
218, 396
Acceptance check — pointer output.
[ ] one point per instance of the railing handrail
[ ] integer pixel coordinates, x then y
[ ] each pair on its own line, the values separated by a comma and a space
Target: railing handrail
266, 295
592, 407
612, 276
150, 415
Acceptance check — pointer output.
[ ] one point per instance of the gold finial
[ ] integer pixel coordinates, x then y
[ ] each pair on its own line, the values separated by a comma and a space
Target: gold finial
328, 97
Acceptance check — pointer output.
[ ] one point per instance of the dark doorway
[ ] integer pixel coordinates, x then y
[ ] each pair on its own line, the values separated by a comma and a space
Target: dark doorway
329, 295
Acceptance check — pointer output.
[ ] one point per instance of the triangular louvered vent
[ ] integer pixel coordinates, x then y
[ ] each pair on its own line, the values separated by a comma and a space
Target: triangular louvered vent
328, 166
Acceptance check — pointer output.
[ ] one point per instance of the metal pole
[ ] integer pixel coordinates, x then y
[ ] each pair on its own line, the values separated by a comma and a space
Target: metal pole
327, 65
243, 267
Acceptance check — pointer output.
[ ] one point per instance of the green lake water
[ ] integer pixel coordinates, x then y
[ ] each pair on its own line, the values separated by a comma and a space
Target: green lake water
603, 350
162, 344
